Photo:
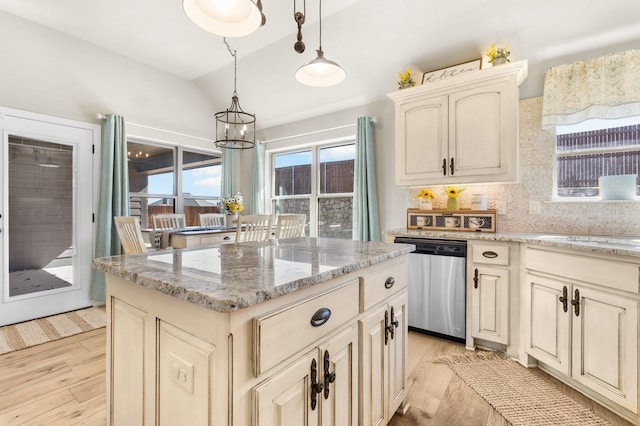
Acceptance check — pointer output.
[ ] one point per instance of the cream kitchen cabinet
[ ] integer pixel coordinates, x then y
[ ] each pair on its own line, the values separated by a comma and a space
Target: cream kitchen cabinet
461, 130
383, 332
321, 388
582, 322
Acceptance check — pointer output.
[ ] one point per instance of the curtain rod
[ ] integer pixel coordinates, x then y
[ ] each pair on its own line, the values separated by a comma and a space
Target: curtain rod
101, 116
346, 126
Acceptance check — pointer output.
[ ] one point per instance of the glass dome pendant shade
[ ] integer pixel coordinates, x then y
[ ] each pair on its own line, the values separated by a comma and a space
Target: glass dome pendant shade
227, 18
320, 72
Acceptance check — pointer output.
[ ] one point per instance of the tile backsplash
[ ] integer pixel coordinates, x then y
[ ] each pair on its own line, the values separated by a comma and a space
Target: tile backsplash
619, 218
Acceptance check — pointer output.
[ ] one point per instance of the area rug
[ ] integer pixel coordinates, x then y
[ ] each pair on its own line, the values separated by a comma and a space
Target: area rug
519, 395
35, 332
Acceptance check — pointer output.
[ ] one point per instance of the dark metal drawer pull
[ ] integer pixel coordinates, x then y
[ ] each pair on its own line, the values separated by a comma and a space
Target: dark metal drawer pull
389, 282
321, 316
490, 254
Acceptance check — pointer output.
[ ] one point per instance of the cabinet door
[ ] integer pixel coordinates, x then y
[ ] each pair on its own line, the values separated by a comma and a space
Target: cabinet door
339, 357
185, 375
373, 363
483, 130
421, 140
397, 347
605, 345
547, 328
285, 399
490, 304
127, 338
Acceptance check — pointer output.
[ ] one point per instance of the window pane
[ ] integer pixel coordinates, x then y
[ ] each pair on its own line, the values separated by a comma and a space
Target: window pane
293, 206
194, 206
585, 156
144, 208
336, 169
335, 217
151, 169
292, 173
201, 174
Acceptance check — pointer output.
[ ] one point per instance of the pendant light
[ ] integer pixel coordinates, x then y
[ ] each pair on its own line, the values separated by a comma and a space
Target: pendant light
235, 129
320, 72
227, 18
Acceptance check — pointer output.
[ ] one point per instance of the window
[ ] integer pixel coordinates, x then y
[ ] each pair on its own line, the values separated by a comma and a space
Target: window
593, 149
317, 182
165, 179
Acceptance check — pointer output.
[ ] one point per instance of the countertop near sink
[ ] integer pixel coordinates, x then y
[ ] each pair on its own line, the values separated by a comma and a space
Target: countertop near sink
622, 246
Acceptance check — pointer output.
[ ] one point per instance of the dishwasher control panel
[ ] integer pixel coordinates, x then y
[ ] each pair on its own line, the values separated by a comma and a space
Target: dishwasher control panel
452, 220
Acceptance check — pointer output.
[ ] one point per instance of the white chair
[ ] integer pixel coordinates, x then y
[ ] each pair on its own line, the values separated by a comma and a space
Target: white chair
212, 219
290, 225
130, 235
167, 221
253, 228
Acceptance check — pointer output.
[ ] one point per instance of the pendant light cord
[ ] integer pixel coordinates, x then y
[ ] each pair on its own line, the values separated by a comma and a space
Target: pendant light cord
320, 12
235, 64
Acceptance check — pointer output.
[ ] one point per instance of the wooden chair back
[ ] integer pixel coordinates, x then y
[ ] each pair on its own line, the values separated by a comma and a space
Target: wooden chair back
168, 221
253, 228
130, 235
212, 219
290, 225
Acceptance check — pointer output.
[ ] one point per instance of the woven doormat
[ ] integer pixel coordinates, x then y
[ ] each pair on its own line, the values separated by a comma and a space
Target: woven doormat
517, 394
43, 330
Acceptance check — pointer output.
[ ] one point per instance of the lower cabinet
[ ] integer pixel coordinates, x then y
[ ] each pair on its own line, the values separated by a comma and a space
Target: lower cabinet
383, 340
586, 332
320, 388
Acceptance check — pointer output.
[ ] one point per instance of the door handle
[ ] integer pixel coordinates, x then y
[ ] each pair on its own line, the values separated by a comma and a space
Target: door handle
475, 278
328, 377
451, 166
444, 167
316, 387
564, 299
576, 303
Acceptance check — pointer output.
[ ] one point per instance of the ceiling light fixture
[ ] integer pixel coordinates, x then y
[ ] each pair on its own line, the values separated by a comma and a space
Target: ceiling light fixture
235, 128
227, 18
320, 72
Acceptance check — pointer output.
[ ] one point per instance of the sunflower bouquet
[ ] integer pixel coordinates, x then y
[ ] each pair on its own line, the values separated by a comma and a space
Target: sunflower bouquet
405, 79
452, 196
425, 194
233, 204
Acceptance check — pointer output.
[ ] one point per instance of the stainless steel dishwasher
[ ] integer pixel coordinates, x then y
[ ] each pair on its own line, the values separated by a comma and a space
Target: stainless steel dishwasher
437, 287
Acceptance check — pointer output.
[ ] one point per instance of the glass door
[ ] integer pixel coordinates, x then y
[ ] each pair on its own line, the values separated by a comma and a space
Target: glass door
46, 222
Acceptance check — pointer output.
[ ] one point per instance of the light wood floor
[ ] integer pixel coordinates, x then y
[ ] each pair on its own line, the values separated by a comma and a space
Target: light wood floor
63, 383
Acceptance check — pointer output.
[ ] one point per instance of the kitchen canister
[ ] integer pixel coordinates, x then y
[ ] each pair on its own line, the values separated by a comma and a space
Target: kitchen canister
478, 201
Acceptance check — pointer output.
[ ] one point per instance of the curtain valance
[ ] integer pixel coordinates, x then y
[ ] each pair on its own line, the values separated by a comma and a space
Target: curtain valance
604, 87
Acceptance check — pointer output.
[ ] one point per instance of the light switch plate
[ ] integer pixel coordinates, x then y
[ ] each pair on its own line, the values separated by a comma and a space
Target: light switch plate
501, 207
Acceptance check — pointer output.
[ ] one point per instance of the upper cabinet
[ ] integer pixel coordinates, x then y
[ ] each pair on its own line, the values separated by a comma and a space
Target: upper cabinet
461, 130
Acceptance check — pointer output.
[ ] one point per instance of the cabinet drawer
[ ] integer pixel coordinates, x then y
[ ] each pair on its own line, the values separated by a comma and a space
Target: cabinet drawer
604, 272
227, 237
282, 333
490, 254
383, 282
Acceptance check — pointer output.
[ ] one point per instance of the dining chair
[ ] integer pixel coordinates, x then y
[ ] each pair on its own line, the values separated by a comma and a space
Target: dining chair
212, 219
166, 221
130, 235
253, 228
290, 225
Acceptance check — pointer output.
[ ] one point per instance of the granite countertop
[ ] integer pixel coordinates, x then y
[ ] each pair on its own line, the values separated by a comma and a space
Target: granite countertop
236, 276
621, 246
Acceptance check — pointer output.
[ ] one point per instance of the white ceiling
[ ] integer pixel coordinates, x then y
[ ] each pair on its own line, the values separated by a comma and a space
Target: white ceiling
371, 39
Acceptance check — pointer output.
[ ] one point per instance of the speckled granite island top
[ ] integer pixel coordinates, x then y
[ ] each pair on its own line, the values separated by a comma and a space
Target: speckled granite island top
622, 246
234, 276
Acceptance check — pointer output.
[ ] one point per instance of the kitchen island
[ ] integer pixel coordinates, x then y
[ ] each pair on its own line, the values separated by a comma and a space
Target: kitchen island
296, 331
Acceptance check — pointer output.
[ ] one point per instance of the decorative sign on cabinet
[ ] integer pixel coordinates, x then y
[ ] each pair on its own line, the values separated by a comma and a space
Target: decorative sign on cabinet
463, 130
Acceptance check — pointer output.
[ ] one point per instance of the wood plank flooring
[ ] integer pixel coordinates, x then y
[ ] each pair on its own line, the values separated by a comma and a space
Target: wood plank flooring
63, 383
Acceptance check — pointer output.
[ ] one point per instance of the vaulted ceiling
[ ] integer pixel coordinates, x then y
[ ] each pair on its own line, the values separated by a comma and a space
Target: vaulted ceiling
371, 39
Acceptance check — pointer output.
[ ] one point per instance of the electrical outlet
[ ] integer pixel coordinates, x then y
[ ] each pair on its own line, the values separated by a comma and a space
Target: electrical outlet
501, 207
534, 207
181, 372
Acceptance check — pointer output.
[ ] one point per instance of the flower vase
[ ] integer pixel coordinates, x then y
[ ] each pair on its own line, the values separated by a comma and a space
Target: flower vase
425, 204
452, 204
499, 61
232, 219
